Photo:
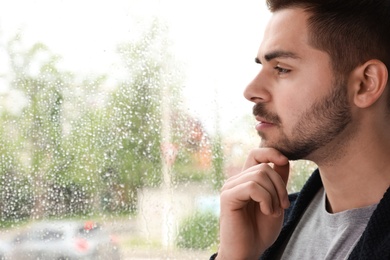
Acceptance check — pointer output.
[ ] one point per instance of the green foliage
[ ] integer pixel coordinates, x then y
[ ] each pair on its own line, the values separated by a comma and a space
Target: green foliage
199, 231
36, 147
136, 106
218, 176
16, 200
301, 171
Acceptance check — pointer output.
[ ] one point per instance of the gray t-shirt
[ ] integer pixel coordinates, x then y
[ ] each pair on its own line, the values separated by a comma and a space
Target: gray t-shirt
322, 235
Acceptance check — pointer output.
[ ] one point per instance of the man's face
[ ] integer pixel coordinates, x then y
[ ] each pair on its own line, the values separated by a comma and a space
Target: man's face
301, 107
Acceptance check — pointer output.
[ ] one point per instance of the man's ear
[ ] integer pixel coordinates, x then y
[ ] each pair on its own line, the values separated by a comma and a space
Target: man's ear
368, 82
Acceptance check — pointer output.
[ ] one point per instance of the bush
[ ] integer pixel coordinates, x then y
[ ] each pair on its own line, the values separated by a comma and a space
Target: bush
199, 231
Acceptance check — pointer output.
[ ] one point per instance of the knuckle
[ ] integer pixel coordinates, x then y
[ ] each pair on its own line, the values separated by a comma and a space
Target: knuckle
223, 188
224, 197
262, 173
264, 167
252, 186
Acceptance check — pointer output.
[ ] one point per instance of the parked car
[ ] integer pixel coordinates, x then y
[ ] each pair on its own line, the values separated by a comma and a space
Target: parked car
57, 240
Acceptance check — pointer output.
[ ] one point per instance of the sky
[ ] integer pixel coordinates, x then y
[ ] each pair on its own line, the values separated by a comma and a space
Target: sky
216, 42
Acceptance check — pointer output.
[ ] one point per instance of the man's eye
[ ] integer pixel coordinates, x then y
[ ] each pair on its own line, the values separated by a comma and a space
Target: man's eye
281, 70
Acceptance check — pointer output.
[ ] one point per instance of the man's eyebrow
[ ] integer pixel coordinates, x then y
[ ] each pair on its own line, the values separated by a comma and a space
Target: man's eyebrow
277, 54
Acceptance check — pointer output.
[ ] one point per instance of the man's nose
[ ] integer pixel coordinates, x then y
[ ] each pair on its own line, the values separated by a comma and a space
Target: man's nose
256, 91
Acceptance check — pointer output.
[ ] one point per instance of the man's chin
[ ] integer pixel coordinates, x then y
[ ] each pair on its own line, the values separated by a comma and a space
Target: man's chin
290, 154
295, 155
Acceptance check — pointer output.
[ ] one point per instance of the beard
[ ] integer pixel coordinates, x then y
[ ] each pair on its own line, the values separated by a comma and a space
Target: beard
318, 126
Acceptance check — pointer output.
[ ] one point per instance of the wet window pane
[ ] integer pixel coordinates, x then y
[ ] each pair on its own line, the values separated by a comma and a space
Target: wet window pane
119, 122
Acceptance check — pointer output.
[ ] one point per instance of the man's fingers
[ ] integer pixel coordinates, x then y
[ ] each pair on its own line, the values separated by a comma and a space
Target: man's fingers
267, 180
284, 171
242, 194
264, 155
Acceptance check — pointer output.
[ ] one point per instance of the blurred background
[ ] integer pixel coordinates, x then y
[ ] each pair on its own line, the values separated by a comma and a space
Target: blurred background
120, 121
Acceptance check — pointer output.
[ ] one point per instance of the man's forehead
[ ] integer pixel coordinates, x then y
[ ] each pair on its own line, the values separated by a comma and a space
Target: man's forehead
286, 35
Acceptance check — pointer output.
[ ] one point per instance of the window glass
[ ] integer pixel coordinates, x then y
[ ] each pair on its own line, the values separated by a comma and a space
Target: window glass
125, 113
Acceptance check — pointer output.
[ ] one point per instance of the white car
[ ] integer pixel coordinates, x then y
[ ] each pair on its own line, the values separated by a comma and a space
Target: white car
57, 240
4, 249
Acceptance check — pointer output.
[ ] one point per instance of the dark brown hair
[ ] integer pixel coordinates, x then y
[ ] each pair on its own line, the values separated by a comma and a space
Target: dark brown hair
350, 31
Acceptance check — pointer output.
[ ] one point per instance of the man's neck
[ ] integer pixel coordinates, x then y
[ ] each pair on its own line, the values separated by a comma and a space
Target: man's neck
360, 177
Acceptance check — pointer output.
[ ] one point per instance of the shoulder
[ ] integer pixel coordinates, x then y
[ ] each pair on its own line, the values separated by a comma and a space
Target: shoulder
375, 240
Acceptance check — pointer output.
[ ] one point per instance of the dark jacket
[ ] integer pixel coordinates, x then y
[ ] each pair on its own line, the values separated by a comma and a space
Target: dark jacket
375, 240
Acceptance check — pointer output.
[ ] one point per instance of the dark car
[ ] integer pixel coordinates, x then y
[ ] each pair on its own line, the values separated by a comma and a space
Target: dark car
64, 240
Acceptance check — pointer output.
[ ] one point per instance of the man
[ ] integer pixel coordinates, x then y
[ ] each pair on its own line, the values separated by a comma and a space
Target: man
322, 94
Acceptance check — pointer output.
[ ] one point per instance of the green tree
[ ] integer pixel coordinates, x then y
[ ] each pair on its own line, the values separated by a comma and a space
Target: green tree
85, 144
135, 110
40, 126
15, 193
218, 176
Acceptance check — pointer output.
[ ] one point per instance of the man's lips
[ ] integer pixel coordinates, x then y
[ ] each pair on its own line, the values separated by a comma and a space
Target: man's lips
263, 120
262, 123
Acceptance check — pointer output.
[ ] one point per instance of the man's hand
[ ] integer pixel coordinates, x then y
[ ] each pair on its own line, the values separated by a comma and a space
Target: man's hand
252, 204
